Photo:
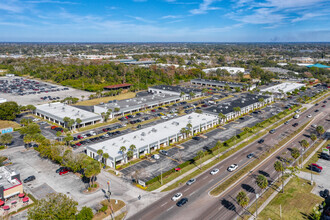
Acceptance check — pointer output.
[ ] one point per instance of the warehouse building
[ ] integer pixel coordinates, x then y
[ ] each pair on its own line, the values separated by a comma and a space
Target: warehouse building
183, 92
57, 111
231, 70
246, 103
150, 138
283, 88
221, 84
128, 106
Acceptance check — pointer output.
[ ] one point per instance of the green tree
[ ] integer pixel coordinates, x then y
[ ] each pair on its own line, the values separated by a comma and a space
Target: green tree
182, 94
221, 117
295, 153
26, 121
123, 152
54, 206
32, 108
6, 138
262, 181
86, 213
68, 138
183, 131
78, 121
106, 157
313, 137
9, 110
242, 199
320, 130
200, 154
31, 129
189, 128
278, 166
304, 143
132, 148
237, 89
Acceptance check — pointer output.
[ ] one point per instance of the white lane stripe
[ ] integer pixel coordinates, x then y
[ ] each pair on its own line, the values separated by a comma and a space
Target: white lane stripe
170, 208
210, 180
164, 204
204, 177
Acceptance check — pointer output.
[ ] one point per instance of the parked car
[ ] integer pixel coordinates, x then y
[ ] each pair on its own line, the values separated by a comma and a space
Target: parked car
182, 202
314, 126
60, 169
295, 124
164, 152
316, 165
64, 171
29, 179
272, 131
296, 116
177, 196
214, 171
325, 156
261, 141
196, 138
309, 116
287, 122
177, 168
316, 169
232, 167
324, 193
156, 156
191, 181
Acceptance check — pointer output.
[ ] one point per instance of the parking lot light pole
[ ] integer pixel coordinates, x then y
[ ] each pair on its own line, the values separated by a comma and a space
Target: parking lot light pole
257, 196
109, 194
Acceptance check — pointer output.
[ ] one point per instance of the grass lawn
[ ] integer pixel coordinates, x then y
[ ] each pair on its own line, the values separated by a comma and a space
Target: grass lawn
127, 95
7, 124
115, 208
297, 201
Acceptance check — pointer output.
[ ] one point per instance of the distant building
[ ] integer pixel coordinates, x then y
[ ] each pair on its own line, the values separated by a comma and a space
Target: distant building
283, 87
128, 106
183, 92
10, 183
220, 84
278, 70
150, 138
118, 86
57, 111
231, 70
319, 66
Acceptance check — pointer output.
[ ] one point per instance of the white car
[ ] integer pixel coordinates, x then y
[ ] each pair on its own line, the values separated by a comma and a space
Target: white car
232, 167
314, 126
36, 119
309, 116
177, 196
84, 135
214, 171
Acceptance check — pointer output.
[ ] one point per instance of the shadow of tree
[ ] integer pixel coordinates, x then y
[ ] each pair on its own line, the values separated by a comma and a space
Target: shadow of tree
248, 188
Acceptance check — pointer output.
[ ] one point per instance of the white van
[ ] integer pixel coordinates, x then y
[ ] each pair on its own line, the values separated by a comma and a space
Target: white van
92, 133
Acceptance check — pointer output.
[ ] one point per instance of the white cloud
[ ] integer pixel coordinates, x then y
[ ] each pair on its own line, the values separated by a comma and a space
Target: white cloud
141, 19
11, 6
50, 1
204, 7
308, 16
171, 16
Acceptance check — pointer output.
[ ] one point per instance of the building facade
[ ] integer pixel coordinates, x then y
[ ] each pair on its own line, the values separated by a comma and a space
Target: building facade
10, 183
183, 92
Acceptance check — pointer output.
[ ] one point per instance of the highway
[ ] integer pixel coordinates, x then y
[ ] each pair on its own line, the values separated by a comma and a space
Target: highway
203, 206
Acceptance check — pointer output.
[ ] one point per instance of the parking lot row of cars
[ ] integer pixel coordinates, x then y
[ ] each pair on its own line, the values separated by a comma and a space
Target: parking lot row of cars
22, 86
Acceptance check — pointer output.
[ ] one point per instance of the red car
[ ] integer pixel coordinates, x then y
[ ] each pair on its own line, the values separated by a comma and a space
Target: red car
323, 106
177, 169
105, 129
53, 127
153, 110
64, 171
78, 144
315, 165
80, 137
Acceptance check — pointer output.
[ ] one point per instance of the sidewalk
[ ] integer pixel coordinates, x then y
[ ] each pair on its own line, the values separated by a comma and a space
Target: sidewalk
215, 157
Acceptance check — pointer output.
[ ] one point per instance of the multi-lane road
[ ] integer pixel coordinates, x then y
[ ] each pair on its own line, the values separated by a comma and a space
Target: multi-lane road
203, 206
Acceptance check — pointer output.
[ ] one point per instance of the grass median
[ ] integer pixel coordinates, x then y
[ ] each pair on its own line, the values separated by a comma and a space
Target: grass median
240, 173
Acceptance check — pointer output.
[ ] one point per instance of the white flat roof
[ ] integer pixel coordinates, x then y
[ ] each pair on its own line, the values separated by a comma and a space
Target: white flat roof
58, 111
286, 87
150, 135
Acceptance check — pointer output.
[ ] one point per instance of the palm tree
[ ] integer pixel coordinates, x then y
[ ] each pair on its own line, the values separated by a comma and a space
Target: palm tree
320, 130
204, 91
313, 137
192, 95
221, 117
237, 109
100, 152
242, 199
123, 151
189, 128
304, 143
278, 166
200, 154
295, 153
105, 156
78, 121
183, 131
262, 182
182, 94
132, 148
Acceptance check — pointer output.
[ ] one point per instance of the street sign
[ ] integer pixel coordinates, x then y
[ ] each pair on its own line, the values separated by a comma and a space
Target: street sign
7, 130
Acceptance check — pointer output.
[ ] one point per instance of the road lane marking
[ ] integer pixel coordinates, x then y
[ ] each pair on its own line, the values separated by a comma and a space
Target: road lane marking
185, 190
192, 193
164, 204
170, 208
204, 177
210, 180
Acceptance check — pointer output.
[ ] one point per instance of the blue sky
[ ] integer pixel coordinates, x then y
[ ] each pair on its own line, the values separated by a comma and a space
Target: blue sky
164, 20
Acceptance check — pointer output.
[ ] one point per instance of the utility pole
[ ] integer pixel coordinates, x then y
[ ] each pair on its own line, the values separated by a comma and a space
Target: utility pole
109, 194
161, 174
257, 196
282, 177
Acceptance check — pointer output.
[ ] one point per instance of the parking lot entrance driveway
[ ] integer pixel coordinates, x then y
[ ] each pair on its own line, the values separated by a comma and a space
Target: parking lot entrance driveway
41, 191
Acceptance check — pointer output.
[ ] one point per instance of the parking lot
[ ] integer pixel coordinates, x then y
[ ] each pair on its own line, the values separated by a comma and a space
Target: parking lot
27, 91
152, 168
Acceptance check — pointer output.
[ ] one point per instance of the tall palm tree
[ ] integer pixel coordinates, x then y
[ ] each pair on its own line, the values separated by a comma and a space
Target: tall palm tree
278, 166
304, 143
78, 121
106, 157
189, 128
183, 131
262, 182
221, 117
123, 151
100, 152
133, 148
320, 130
242, 199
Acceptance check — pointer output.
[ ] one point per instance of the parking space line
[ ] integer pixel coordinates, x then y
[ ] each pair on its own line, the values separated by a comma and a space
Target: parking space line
210, 180
185, 190
164, 204
204, 177
170, 208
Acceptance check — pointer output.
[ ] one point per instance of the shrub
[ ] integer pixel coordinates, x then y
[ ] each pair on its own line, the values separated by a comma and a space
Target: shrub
103, 209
